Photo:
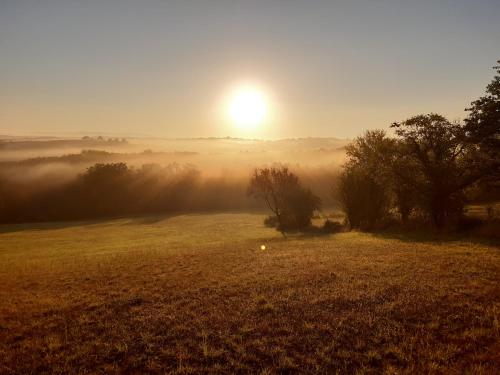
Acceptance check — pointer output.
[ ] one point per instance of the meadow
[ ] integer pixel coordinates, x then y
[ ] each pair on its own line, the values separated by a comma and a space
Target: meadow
196, 294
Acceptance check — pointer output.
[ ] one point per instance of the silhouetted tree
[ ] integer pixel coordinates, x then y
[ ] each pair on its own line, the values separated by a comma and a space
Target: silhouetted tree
292, 205
483, 122
438, 162
429, 165
363, 199
483, 131
368, 186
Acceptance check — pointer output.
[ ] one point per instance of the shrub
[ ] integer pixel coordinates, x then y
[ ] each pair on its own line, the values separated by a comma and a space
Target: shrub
488, 230
271, 221
467, 223
292, 205
330, 226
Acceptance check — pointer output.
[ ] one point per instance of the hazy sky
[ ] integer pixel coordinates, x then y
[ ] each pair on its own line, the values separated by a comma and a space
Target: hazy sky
331, 68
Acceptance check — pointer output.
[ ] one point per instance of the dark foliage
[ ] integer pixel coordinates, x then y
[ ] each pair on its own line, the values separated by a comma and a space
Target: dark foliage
483, 130
428, 170
330, 226
362, 198
115, 189
292, 205
439, 165
271, 221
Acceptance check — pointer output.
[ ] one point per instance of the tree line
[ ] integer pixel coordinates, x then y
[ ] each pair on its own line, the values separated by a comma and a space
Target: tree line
422, 174
51, 189
116, 189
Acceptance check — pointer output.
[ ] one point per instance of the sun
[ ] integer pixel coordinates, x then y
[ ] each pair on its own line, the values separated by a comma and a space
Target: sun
247, 107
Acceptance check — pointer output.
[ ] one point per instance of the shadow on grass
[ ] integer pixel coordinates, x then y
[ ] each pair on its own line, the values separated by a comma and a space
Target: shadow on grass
39, 226
312, 232
433, 237
490, 238
54, 225
131, 219
146, 220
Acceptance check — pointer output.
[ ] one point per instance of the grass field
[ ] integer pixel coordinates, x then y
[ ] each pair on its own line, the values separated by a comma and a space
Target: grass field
195, 293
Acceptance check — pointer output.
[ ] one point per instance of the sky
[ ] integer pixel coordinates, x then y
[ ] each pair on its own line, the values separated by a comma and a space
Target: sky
165, 68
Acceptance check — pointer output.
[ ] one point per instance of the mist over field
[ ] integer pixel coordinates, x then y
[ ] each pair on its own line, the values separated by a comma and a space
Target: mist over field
208, 174
249, 187
209, 153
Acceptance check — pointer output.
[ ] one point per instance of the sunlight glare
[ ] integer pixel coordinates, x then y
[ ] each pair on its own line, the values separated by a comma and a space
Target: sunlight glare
247, 107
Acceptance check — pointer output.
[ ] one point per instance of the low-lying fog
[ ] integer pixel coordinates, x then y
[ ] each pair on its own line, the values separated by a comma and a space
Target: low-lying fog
32, 168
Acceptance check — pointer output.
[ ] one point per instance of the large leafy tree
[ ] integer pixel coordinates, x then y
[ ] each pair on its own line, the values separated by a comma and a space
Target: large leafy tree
440, 163
483, 132
363, 199
483, 122
371, 182
364, 184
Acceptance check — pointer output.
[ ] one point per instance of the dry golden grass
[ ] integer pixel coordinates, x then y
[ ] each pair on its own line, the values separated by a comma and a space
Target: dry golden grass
195, 293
